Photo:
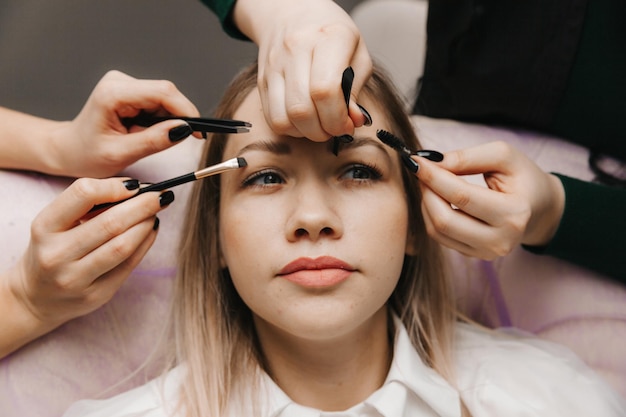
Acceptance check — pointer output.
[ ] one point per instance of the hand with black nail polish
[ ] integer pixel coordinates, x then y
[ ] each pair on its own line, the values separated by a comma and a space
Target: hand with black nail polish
76, 260
521, 204
98, 143
301, 65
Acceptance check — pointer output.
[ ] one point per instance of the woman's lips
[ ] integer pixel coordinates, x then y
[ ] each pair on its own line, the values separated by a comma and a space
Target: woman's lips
321, 272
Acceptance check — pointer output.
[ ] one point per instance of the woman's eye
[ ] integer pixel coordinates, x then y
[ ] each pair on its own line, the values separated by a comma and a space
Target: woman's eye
263, 178
362, 172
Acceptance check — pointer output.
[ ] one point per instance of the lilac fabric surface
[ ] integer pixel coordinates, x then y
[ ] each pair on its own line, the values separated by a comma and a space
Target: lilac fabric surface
96, 354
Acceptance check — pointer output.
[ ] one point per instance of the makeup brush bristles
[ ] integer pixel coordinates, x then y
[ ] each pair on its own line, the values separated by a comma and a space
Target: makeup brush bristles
398, 144
241, 162
392, 140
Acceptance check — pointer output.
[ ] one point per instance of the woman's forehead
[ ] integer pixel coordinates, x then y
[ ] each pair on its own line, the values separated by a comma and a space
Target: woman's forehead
251, 110
250, 106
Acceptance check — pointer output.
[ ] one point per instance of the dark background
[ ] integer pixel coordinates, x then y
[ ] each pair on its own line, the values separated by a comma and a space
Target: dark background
52, 53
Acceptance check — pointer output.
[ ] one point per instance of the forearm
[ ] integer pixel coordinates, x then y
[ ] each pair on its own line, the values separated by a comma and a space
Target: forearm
249, 16
27, 142
253, 18
592, 232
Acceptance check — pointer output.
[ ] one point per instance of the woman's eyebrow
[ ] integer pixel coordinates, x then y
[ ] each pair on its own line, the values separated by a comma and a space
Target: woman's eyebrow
279, 148
360, 141
283, 148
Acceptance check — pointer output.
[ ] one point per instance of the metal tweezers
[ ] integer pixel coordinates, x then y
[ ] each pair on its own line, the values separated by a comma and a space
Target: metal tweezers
198, 124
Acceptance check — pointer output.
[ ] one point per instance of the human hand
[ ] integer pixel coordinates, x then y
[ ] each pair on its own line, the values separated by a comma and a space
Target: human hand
97, 144
304, 47
76, 261
522, 203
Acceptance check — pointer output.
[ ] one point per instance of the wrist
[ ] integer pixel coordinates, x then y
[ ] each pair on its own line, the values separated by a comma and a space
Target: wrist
248, 16
18, 324
27, 142
54, 162
254, 18
545, 223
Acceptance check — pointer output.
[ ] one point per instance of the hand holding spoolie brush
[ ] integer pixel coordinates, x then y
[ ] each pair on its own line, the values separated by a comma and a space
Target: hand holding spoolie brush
398, 144
484, 222
521, 204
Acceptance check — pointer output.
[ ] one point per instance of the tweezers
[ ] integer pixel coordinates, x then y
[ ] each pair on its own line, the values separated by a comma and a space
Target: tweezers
198, 124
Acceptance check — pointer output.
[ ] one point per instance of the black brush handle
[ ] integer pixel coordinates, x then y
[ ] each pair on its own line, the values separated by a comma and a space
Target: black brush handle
173, 182
160, 186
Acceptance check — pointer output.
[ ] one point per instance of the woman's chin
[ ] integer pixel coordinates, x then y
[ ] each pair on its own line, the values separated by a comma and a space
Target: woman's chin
321, 322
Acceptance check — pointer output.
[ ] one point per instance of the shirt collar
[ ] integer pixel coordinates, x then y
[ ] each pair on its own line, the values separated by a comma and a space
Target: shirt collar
411, 387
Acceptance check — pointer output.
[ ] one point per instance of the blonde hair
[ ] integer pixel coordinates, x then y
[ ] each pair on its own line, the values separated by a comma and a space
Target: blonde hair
213, 328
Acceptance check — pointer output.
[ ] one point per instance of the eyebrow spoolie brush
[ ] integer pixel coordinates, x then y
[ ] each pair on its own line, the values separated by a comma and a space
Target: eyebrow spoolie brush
228, 165
396, 143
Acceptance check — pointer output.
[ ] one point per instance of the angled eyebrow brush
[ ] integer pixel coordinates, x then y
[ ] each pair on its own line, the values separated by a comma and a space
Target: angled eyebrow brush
396, 143
228, 165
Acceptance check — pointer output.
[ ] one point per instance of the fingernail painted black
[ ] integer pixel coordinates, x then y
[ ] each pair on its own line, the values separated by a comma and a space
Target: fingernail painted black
347, 79
157, 222
166, 198
368, 117
131, 184
180, 132
431, 155
410, 163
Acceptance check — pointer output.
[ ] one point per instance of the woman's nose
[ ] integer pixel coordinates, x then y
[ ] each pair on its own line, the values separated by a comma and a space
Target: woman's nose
314, 215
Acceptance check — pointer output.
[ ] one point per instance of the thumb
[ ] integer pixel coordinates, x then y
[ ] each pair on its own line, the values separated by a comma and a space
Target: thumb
493, 157
142, 142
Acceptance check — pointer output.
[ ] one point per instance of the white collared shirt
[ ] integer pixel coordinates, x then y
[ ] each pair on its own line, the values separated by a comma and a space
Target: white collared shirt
497, 375
410, 389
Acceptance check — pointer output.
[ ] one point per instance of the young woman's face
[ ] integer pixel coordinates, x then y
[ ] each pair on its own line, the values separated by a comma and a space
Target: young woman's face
314, 242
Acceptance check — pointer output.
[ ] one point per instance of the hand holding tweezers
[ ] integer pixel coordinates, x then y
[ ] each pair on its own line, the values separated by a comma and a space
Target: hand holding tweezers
198, 124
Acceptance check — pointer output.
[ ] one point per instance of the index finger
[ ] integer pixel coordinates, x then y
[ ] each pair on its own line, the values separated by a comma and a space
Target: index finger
65, 212
127, 96
476, 200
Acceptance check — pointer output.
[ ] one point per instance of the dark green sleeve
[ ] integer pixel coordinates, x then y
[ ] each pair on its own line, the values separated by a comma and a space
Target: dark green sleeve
592, 232
223, 9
